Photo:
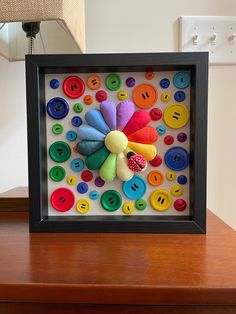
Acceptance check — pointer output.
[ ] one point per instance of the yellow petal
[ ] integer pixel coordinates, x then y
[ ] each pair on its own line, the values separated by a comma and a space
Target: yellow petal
146, 150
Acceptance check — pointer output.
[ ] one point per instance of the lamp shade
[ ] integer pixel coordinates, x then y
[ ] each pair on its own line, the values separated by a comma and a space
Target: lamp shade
70, 15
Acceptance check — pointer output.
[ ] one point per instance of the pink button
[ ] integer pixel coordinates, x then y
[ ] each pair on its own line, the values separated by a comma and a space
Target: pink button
101, 95
62, 199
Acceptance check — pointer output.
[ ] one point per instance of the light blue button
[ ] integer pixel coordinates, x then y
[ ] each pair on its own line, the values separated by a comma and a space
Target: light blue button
161, 129
71, 135
94, 195
77, 165
181, 80
134, 188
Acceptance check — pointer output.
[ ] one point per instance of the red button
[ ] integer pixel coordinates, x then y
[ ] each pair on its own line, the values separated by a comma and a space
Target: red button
62, 199
180, 205
155, 114
86, 175
157, 161
169, 140
101, 95
73, 87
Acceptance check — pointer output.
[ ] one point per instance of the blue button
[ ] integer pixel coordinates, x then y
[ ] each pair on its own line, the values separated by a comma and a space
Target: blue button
182, 179
165, 83
94, 195
54, 84
179, 96
57, 108
177, 158
134, 188
76, 121
82, 187
77, 165
161, 129
181, 80
71, 135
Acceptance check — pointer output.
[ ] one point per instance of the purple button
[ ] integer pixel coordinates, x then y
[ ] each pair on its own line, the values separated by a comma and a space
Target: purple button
130, 82
182, 137
99, 182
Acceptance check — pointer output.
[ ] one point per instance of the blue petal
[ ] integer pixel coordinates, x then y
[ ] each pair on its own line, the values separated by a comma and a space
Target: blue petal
95, 119
87, 132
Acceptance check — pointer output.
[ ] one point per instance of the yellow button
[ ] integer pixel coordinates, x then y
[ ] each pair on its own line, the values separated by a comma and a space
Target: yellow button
176, 116
71, 180
122, 95
165, 97
83, 206
160, 200
155, 178
176, 190
170, 175
128, 208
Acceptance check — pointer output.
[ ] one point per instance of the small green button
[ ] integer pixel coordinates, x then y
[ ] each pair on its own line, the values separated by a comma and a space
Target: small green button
140, 204
113, 82
57, 128
57, 173
60, 151
78, 108
111, 200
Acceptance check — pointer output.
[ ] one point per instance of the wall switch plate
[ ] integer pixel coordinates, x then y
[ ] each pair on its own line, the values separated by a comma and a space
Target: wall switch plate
215, 34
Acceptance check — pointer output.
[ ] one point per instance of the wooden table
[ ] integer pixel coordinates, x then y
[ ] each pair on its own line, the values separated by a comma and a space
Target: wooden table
116, 273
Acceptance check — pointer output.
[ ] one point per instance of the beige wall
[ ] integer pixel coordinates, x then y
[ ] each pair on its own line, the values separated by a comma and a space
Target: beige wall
152, 25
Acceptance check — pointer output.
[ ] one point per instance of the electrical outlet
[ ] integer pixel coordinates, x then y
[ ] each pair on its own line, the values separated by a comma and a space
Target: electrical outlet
215, 34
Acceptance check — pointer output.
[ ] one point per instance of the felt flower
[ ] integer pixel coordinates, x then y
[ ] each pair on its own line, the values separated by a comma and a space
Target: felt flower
112, 135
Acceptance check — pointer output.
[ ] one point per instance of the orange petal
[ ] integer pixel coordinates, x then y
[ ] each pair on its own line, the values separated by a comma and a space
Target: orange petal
146, 135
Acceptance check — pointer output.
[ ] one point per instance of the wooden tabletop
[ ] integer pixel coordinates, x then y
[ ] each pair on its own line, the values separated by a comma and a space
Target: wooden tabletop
117, 268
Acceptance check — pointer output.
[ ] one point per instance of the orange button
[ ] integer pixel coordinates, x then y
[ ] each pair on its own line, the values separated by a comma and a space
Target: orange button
88, 99
94, 82
145, 96
155, 178
149, 75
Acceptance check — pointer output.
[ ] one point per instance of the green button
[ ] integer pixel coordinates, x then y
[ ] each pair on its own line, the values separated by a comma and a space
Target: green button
57, 173
78, 108
60, 151
140, 204
113, 82
57, 128
111, 200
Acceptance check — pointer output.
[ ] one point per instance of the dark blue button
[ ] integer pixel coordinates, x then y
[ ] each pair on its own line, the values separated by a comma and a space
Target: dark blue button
82, 187
182, 179
165, 83
54, 83
177, 158
57, 108
179, 96
76, 121
71, 135
181, 80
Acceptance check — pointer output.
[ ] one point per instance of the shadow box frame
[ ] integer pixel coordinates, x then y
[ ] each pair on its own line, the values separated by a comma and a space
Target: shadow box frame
39, 65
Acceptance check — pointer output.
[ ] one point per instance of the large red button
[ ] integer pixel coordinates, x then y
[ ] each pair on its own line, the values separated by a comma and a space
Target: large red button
62, 199
73, 86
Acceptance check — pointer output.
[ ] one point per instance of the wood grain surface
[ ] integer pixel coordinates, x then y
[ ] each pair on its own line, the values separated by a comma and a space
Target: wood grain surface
15, 199
144, 269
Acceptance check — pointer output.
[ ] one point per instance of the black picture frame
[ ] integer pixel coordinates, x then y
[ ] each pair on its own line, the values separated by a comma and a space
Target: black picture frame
39, 65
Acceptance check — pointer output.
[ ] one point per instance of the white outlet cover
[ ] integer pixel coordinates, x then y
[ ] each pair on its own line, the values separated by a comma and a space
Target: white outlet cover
223, 50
